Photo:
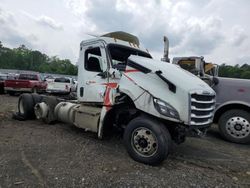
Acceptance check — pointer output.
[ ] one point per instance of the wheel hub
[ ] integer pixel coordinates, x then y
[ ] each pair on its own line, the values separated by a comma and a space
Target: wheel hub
144, 142
238, 127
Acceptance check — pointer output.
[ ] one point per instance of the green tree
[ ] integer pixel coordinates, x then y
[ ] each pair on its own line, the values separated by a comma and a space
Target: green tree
26, 59
236, 71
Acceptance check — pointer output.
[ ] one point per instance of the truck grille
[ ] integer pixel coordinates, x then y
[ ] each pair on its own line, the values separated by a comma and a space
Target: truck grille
201, 108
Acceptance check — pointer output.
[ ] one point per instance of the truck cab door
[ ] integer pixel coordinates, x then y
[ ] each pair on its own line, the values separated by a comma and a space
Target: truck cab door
92, 73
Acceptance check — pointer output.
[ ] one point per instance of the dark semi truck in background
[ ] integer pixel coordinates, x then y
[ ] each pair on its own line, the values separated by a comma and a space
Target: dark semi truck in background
232, 107
232, 112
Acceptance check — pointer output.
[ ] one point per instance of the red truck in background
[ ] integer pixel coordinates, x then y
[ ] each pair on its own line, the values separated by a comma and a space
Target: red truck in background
28, 82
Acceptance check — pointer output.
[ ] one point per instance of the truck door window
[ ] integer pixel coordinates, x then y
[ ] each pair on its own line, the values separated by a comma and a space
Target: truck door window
93, 60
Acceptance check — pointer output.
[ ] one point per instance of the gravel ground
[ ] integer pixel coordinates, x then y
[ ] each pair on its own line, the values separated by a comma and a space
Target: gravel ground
33, 154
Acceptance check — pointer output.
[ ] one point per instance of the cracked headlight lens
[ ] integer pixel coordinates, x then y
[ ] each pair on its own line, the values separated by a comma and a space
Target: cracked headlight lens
166, 109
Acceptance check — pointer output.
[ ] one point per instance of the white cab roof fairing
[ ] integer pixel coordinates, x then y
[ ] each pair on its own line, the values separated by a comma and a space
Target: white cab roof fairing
121, 35
108, 40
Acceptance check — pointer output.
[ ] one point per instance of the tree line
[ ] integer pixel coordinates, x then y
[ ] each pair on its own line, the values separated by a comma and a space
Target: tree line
22, 58
236, 71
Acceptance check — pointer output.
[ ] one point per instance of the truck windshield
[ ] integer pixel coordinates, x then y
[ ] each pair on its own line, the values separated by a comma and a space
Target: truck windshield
119, 54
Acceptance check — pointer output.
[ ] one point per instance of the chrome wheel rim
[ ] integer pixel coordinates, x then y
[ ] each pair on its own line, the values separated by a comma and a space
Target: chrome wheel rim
238, 127
144, 142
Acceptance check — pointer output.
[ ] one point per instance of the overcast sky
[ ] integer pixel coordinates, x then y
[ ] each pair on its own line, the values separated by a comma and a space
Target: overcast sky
219, 30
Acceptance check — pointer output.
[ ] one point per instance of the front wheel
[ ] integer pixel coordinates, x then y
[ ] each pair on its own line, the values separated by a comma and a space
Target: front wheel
147, 141
234, 125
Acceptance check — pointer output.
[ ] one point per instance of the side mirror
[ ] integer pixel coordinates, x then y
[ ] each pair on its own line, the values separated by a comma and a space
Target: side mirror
102, 75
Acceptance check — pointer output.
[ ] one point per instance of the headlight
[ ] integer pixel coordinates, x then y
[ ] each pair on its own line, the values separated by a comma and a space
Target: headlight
166, 109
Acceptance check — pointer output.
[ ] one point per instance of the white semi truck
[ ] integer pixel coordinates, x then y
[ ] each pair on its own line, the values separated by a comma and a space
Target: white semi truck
120, 85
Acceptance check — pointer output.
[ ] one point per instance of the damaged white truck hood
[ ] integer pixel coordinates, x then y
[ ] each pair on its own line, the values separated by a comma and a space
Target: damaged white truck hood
173, 73
137, 84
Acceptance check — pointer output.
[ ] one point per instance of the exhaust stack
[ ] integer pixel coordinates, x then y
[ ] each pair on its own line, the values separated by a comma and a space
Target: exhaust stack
166, 50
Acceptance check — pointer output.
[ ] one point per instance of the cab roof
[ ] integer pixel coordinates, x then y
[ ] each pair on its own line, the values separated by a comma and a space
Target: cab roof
119, 37
123, 36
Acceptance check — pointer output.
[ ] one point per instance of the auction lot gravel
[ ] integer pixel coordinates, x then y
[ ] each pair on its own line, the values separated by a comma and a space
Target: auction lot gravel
34, 154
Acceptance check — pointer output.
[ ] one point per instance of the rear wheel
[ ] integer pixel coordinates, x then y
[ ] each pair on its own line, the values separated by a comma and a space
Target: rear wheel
234, 125
37, 98
147, 141
26, 106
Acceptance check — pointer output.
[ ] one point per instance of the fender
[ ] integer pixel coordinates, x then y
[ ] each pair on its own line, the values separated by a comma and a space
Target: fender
110, 97
230, 105
141, 96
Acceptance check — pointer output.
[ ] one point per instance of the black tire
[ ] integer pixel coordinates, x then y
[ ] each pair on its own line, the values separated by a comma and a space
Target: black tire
161, 143
12, 93
26, 106
234, 126
37, 98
